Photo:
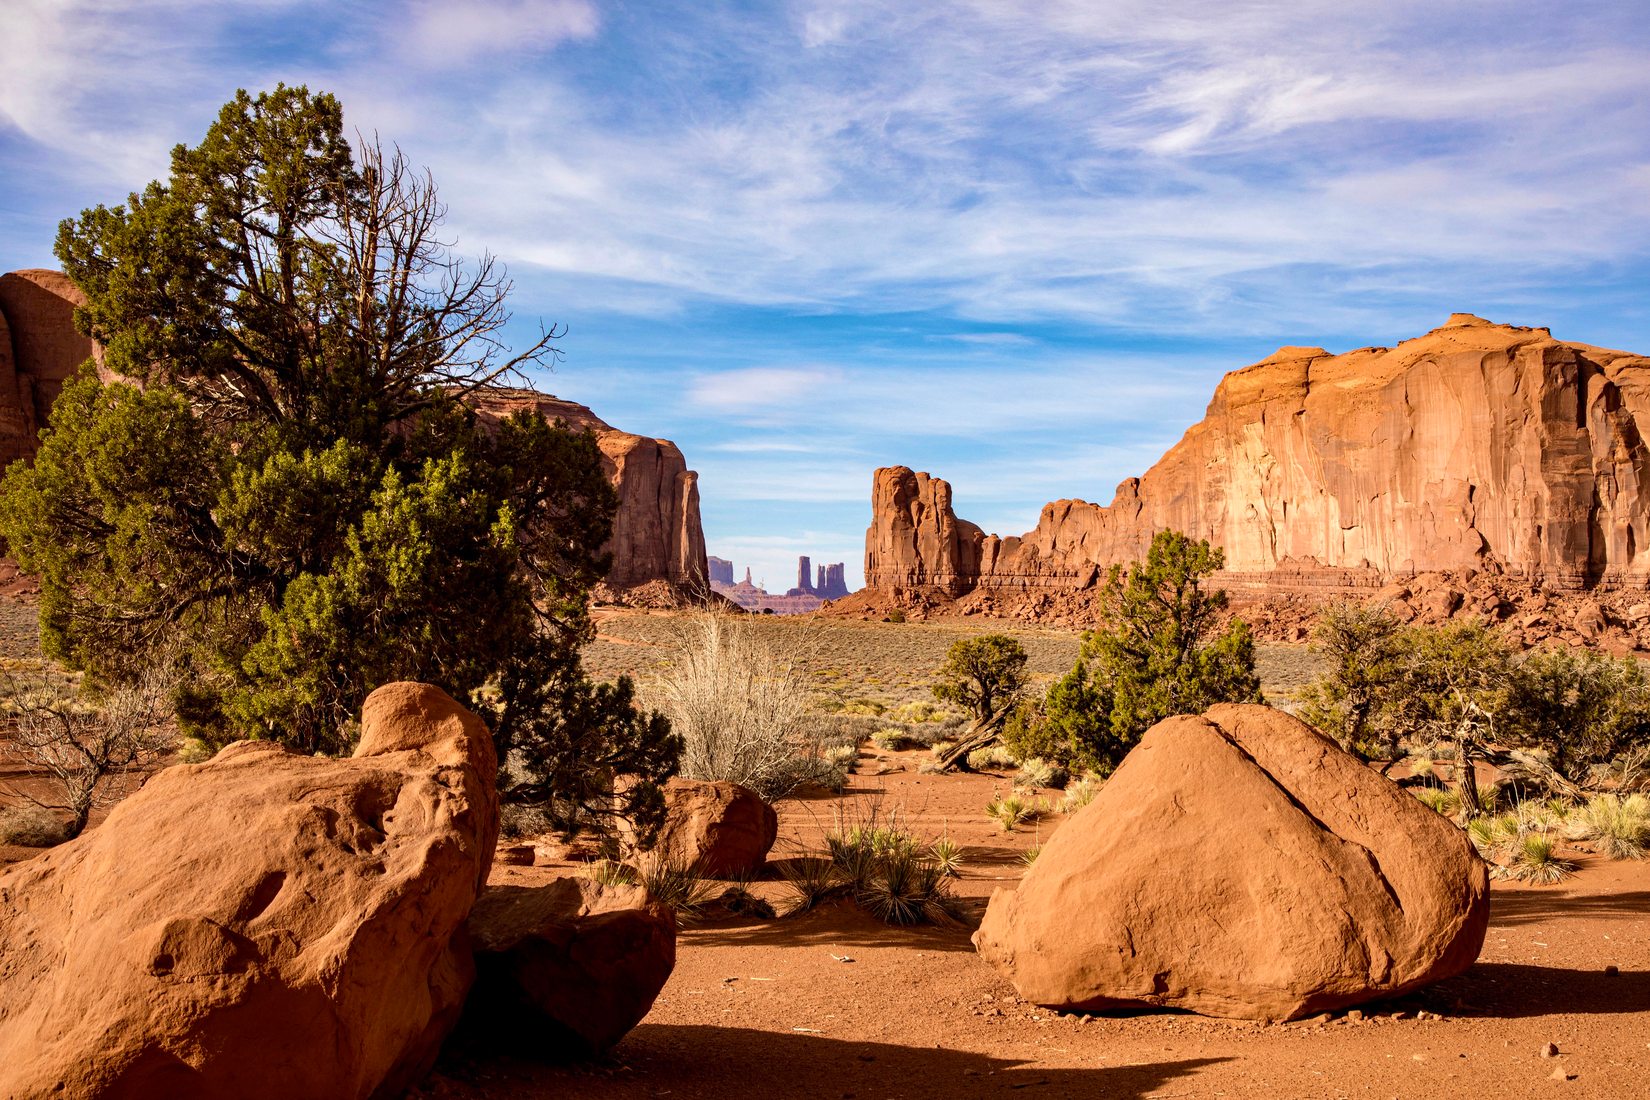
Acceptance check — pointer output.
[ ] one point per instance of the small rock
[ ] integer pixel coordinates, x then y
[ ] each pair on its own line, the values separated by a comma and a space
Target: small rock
1559, 1074
1550, 1050
515, 855
1355, 1016
1612, 971
1400, 1015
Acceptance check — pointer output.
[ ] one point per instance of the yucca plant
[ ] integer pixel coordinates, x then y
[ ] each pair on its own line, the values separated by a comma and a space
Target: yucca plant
1080, 794
1010, 810
1443, 801
1534, 860
1029, 856
947, 856
906, 888
1619, 826
610, 872
809, 880
676, 883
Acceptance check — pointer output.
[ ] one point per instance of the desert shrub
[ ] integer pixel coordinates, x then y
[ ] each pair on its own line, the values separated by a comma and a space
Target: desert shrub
1158, 652
869, 708
194, 750
809, 880
32, 827
893, 739
609, 872
906, 887
1029, 856
918, 710
1036, 772
1365, 647
897, 615
947, 855
1443, 801
984, 676
940, 748
740, 710
518, 819
1581, 709
1619, 826
1080, 793
88, 746
677, 883
990, 758
1010, 810
1534, 860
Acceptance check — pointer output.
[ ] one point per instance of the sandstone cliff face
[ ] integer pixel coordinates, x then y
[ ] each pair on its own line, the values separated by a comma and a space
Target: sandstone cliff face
39, 349
1474, 447
657, 537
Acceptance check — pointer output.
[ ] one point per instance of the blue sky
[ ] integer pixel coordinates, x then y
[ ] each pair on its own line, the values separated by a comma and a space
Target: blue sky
1015, 244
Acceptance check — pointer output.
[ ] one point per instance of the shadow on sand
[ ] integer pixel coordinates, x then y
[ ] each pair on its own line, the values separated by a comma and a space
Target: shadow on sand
694, 1061
1513, 990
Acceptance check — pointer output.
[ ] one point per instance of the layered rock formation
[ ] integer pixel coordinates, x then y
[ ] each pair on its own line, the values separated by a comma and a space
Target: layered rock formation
1475, 448
720, 569
265, 924
658, 545
39, 349
829, 585
1241, 864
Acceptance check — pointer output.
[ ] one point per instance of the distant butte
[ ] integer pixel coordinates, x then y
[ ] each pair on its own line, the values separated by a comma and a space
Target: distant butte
1478, 448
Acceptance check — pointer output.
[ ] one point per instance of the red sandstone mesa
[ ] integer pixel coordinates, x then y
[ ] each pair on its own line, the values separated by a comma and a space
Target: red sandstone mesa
1477, 446
657, 538
261, 925
658, 545
1243, 865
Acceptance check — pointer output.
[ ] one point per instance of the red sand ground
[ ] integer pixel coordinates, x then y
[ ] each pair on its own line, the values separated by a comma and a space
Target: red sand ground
766, 1009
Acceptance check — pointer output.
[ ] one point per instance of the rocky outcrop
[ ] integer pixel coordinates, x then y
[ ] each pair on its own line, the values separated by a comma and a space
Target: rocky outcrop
827, 584
658, 545
1480, 447
569, 967
261, 925
723, 828
720, 570
39, 349
1241, 864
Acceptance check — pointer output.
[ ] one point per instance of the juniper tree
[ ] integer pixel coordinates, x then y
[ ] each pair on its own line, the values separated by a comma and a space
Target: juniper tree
283, 474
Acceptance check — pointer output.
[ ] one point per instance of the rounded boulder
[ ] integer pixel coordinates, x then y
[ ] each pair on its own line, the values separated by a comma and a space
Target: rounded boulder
1241, 864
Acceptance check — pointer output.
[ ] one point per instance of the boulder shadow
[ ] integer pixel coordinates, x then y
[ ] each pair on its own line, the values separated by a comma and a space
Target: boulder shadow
838, 922
693, 1061
1509, 910
1514, 990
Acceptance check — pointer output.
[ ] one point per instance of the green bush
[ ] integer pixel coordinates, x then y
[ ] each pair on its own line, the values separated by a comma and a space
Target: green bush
1037, 773
1158, 652
1010, 810
984, 676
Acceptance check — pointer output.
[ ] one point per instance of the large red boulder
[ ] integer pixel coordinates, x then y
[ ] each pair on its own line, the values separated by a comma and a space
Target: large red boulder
723, 827
1241, 864
567, 968
263, 925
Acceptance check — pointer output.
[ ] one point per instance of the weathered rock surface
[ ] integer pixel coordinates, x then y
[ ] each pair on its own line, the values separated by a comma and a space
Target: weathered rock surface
39, 349
1241, 865
568, 967
658, 544
261, 925
723, 827
1475, 447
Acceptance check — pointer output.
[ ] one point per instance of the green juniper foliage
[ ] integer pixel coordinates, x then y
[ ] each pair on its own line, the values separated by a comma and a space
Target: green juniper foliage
283, 475
983, 675
1157, 653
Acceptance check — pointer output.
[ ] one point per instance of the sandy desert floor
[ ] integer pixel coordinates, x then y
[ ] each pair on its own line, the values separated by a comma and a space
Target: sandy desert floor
775, 1009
